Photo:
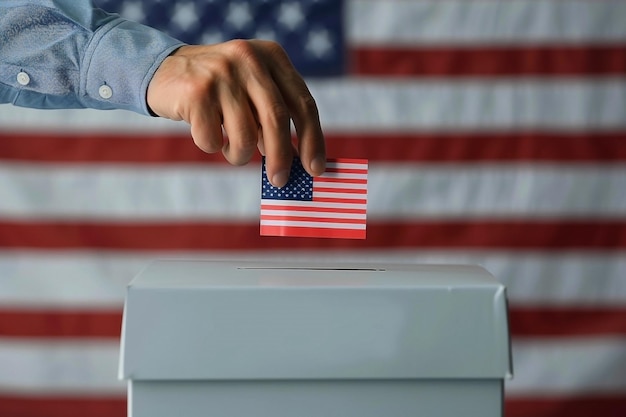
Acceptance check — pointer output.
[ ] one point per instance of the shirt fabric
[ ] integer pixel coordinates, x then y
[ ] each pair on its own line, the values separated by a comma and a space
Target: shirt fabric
75, 55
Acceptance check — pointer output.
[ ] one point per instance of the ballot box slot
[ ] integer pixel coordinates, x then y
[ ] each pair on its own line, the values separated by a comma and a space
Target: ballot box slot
314, 269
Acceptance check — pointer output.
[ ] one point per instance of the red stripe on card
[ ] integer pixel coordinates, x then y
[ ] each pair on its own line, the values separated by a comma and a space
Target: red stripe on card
310, 232
62, 406
338, 190
347, 161
339, 200
513, 234
583, 405
330, 170
316, 209
537, 322
291, 218
386, 146
323, 180
567, 321
509, 60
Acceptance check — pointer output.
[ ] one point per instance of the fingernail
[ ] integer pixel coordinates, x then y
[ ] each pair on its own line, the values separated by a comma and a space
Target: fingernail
280, 179
318, 165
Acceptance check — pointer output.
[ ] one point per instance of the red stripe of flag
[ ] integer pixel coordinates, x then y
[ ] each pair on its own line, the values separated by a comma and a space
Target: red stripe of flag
508, 60
609, 405
580, 405
581, 234
15, 405
388, 146
482, 146
535, 322
559, 321
61, 323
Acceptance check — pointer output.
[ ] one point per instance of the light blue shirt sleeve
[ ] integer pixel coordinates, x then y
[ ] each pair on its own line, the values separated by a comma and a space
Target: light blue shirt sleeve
69, 54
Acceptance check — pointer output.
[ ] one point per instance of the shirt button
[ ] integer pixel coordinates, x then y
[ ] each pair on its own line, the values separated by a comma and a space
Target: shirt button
105, 92
23, 78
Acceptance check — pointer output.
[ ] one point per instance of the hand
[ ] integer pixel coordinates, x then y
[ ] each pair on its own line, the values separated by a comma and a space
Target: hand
253, 90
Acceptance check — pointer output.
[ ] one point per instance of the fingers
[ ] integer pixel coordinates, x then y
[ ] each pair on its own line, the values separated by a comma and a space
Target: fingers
238, 121
206, 129
242, 130
311, 142
301, 107
274, 120
260, 144
272, 115
249, 87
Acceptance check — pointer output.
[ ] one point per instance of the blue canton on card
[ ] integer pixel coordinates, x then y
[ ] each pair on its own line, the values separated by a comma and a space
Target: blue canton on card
299, 187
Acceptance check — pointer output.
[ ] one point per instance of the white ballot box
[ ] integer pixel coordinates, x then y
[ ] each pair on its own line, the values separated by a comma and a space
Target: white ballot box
240, 339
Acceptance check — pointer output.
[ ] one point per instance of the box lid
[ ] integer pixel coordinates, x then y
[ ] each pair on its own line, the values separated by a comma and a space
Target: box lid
188, 320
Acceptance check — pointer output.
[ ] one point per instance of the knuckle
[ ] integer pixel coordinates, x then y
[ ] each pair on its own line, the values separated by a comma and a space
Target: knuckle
240, 45
198, 89
243, 50
240, 153
221, 68
273, 49
205, 81
244, 144
307, 104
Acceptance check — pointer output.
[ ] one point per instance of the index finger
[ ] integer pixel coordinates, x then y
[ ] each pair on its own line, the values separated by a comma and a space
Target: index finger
274, 119
302, 109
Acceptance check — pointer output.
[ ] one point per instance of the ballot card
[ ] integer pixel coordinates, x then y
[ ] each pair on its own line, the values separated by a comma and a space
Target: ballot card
332, 205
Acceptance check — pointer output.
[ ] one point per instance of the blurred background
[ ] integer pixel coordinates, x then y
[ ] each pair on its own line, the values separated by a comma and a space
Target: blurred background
496, 135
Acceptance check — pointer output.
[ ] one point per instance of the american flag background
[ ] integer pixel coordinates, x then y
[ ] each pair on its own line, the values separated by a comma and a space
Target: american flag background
495, 132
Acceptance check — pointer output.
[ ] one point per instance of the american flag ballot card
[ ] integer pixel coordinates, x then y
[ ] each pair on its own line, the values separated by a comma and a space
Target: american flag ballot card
332, 205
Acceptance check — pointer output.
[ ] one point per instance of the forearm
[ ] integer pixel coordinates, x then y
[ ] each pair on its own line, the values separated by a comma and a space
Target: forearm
76, 56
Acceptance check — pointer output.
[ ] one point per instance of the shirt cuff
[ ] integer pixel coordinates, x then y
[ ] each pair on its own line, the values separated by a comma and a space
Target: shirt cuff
119, 63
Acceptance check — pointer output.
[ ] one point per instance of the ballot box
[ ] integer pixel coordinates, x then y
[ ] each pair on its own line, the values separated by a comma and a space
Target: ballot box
235, 339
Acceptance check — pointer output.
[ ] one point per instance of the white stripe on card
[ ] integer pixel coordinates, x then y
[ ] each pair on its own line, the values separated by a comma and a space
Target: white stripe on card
313, 224
286, 213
